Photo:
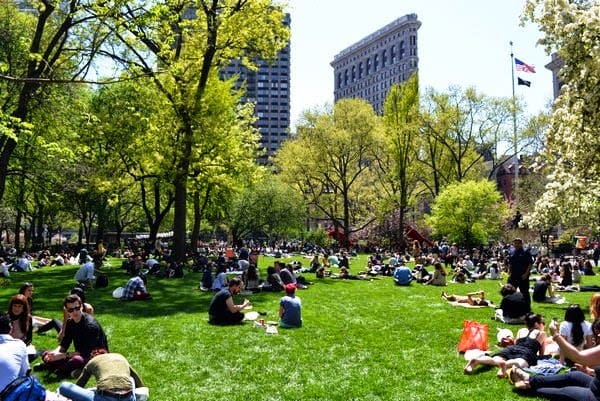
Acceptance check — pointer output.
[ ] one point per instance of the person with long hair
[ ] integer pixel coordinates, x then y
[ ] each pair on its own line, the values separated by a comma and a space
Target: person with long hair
573, 385
18, 310
576, 330
529, 343
595, 306
439, 275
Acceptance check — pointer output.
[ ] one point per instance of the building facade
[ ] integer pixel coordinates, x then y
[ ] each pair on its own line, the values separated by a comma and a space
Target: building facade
368, 68
555, 65
269, 89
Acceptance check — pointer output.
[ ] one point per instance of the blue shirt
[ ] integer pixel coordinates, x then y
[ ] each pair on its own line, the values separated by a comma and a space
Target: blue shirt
292, 311
402, 275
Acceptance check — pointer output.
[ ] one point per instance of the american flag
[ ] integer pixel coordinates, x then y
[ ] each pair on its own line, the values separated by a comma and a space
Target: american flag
521, 66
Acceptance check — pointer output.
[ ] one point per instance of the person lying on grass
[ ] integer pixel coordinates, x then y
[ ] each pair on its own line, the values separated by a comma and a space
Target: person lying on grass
528, 345
580, 384
470, 298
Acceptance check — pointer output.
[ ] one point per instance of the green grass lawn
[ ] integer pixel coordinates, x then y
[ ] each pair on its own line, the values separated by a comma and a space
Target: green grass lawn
361, 340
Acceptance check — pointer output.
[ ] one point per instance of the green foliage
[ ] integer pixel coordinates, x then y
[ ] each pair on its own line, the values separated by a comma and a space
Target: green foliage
319, 237
399, 172
269, 209
460, 127
469, 212
332, 162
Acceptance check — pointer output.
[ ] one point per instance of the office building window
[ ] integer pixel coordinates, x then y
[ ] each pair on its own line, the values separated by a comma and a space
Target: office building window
375, 62
368, 66
383, 58
360, 70
401, 50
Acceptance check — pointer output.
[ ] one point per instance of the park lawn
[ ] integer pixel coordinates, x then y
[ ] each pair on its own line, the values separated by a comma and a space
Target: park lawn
361, 340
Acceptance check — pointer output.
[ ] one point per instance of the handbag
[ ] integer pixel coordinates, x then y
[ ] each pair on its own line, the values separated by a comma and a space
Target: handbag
474, 336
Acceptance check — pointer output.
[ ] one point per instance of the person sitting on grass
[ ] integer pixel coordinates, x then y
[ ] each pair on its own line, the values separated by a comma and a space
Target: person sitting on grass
290, 308
439, 275
513, 306
13, 354
542, 287
85, 275
115, 379
222, 310
576, 330
529, 343
135, 289
22, 325
470, 298
580, 384
83, 331
402, 275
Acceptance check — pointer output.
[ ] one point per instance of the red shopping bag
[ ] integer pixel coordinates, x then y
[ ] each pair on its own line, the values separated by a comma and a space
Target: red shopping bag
474, 336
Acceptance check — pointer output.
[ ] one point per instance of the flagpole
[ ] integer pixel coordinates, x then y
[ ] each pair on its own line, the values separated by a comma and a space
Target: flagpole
515, 139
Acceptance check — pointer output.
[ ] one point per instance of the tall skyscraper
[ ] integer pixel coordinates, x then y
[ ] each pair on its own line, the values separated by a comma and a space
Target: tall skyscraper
368, 68
269, 89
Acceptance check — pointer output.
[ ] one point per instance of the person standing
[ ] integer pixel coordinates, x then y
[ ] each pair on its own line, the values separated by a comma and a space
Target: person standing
113, 376
520, 262
222, 310
13, 354
290, 308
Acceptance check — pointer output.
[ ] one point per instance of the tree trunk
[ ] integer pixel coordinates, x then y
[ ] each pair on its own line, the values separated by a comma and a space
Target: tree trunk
197, 219
179, 218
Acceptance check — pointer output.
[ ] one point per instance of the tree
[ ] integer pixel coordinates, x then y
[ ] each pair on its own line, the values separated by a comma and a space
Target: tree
468, 212
397, 162
267, 209
572, 154
181, 45
331, 162
461, 129
54, 46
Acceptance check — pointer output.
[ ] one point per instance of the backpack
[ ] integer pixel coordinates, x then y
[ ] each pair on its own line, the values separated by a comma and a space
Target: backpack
26, 388
102, 281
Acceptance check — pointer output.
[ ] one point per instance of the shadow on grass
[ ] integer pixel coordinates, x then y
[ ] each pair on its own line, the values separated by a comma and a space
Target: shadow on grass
170, 296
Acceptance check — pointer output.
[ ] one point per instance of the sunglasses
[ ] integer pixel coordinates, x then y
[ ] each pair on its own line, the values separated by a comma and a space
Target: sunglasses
74, 309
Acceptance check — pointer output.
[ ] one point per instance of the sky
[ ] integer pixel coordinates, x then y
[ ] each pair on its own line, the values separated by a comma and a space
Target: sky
460, 42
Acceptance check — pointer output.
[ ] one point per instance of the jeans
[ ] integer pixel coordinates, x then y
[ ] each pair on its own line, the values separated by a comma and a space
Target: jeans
572, 386
76, 393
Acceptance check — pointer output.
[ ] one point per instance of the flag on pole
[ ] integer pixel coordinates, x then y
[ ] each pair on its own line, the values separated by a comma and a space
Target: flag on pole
521, 66
521, 81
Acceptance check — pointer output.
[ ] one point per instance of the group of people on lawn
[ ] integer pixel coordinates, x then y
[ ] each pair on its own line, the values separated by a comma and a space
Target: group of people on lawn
79, 330
574, 341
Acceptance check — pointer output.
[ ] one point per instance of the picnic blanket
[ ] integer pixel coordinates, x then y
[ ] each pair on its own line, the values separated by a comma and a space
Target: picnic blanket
557, 299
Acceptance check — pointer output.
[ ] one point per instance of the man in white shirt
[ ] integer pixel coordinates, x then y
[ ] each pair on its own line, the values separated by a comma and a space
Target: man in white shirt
13, 354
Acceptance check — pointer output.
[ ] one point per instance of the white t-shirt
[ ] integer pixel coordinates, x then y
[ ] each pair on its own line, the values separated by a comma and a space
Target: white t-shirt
566, 328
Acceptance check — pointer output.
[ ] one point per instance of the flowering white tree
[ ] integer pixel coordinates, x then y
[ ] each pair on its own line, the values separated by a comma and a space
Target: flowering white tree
572, 29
